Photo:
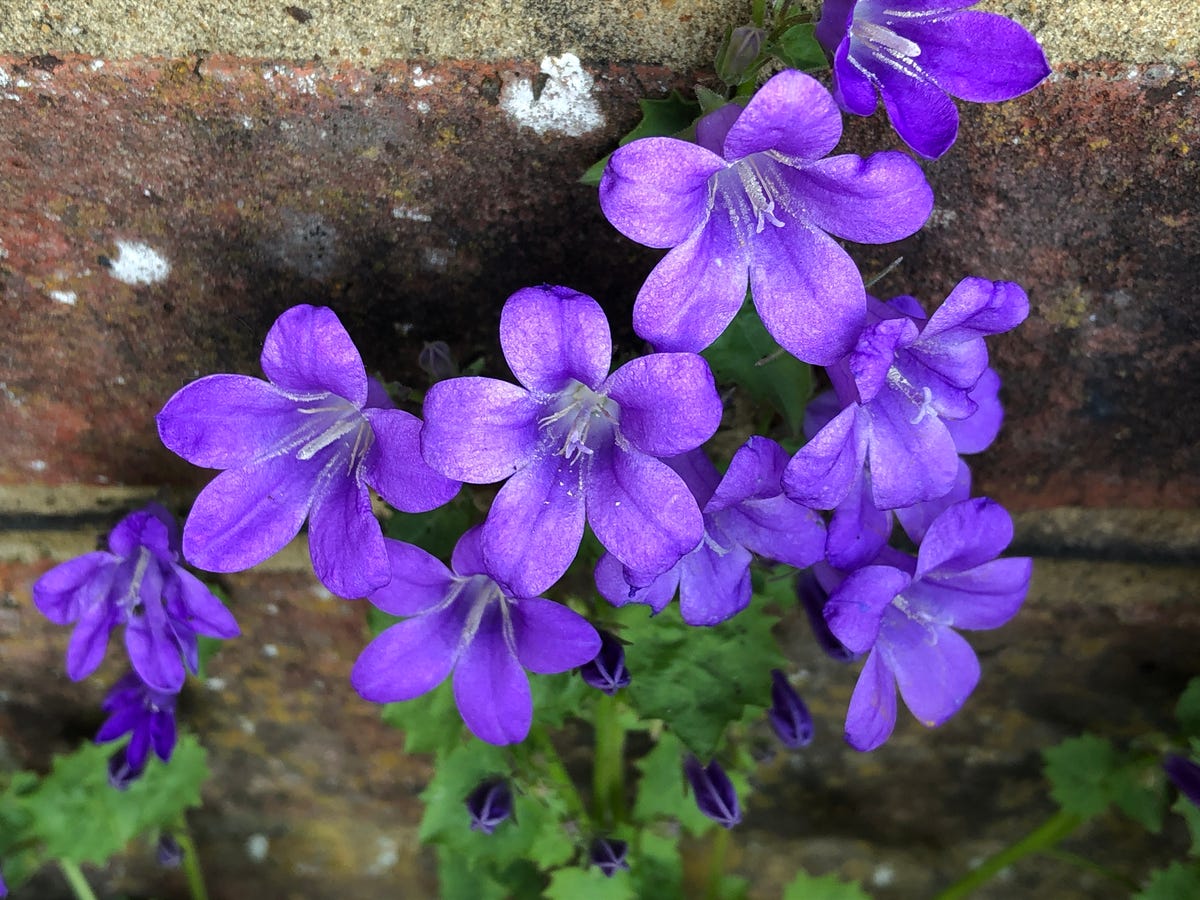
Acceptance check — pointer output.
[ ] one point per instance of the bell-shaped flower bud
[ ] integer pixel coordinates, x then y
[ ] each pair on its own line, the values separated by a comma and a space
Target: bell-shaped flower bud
1185, 775
437, 362
739, 53
608, 855
789, 716
607, 671
490, 804
168, 852
813, 598
715, 796
120, 773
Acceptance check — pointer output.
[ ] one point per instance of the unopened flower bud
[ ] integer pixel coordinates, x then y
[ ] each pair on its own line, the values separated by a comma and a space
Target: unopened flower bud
739, 53
490, 804
607, 671
789, 716
1185, 774
608, 855
436, 361
120, 773
715, 796
170, 854
813, 597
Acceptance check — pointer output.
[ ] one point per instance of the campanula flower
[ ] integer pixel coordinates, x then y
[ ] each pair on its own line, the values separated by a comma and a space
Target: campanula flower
789, 716
306, 443
609, 856
168, 853
904, 611
918, 54
813, 596
758, 198
461, 620
490, 804
1185, 775
578, 442
714, 792
607, 671
137, 582
906, 377
146, 715
745, 512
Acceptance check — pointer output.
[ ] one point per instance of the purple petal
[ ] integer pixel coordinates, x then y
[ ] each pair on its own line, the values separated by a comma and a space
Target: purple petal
641, 511
89, 640
975, 309
655, 190
778, 529
824, 470
227, 420
876, 200
754, 473
856, 608
975, 433
154, 655
122, 721
534, 527
871, 715
467, 556
553, 335
820, 411
479, 429
712, 128
65, 592
920, 111
1185, 775
853, 89
875, 353
984, 597
163, 735
714, 586
834, 23
791, 114
151, 527
377, 395
695, 290
698, 472
966, 535
611, 583
345, 540
550, 637
191, 600
411, 657
669, 402
916, 519
808, 292
395, 467
935, 668
857, 530
490, 687
419, 581
307, 351
912, 457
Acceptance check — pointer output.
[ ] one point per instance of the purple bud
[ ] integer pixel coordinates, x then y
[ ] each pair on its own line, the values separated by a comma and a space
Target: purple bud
608, 855
1186, 776
607, 671
788, 714
120, 773
739, 53
489, 805
170, 854
813, 596
436, 361
714, 792
3, 886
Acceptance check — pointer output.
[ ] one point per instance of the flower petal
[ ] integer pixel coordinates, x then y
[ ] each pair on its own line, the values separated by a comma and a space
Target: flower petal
479, 429
490, 687
712, 128
984, 597
395, 467
188, 598
467, 556
227, 420
871, 716
975, 433
420, 581
655, 190
853, 89
922, 114
307, 351
154, 655
714, 586
778, 529
553, 335
966, 535
669, 402
345, 540
976, 308
857, 607
89, 640
550, 637
410, 658
151, 527
912, 457
857, 530
754, 473
824, 470
65, 592
613, 587
791, 114
916, 519
935, 667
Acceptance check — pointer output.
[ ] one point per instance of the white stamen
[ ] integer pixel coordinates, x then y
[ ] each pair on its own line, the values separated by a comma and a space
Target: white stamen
883, 37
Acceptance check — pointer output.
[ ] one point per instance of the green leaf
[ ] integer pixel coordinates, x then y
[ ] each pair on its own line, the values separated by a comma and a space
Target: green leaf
1140, 791
79, 817
827, 887
1187, 711
660, 118
431, 723
1078, 770
1191, 815
657, 867
783, 384
435, 532
661, 791
557, 697
797, 47
589, 883
1179, 881
698, 680
459, 882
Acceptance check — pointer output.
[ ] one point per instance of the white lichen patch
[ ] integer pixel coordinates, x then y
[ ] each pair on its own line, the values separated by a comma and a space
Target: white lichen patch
566, 104
413, 215
138, 263
420, 79
67, 297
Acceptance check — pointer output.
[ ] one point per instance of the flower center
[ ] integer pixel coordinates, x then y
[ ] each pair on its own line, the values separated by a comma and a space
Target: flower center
132, 601
334, 420
749, 190
583, 421
921, 398
883, 41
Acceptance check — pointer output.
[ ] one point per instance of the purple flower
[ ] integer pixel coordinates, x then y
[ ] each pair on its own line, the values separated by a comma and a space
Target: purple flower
789, 716
755, 197
918, 55
608, 855
306, 443
120, 773
490, 804
905, 379
744, 512
3, 886
813, 598
139, 583
904, 611
715, 796
577, 442
463, 621
607, 671
146, 715
168, 852
1185, 775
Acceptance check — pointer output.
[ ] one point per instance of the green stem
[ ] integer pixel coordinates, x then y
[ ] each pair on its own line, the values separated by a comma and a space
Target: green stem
191, 863
1083, 862
554, 770
1042, 838
716, 871
608, 773
74, 876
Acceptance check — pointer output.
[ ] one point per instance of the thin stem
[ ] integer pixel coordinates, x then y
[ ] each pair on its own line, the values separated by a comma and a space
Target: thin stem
79, 885
608, 773
554, 770
191, 863
1083, 862
716, 871
1042, 838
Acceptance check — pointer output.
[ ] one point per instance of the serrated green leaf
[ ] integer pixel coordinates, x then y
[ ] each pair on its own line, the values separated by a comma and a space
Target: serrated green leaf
827, 887
698, 680
1139, 790
661, 792
1191, 815
797, 47
557, 697
79, 817
590, 883
431, 723
1079, 770
459, 882
660, 118
657, 867
1187, 710
436, 532
1179, 881
783, 384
